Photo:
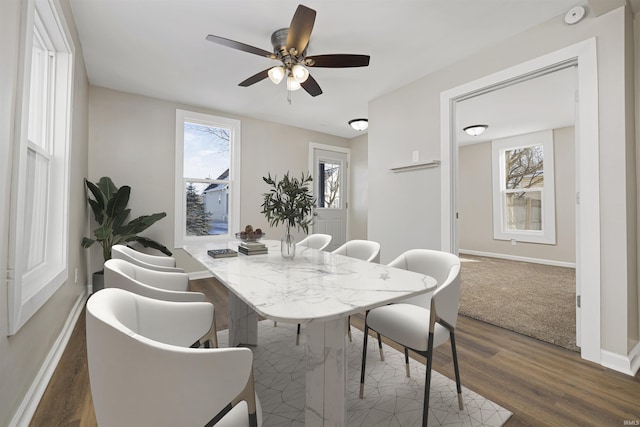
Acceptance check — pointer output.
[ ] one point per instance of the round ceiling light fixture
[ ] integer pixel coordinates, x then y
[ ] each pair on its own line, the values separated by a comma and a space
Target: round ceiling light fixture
359, 124
475, 130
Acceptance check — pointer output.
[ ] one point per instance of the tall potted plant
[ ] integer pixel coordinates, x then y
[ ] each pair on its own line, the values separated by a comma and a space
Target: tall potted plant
109, 206
290, 202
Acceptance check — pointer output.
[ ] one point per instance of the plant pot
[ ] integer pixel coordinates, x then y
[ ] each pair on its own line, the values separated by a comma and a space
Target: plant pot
288, 246
98, 281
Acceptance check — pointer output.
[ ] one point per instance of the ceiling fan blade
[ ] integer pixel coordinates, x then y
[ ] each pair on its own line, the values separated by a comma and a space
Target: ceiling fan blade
311, 86
300, 29
338, 61
240, 46
255, 78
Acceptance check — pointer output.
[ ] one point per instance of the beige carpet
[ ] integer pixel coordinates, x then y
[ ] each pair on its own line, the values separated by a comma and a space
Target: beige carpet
531, 299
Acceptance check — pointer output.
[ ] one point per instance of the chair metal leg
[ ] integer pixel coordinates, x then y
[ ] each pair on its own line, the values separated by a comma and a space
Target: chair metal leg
427, 382
349, 329
380, 347
298, 335
214, 333
364, 358
454, 354
406, 362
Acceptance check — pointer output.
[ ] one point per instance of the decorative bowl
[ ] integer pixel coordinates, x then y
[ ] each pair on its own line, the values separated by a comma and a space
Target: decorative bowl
249, 237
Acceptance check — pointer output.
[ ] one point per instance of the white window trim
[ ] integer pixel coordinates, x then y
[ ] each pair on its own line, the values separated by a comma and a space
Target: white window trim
28, 291
548, 233
180, 239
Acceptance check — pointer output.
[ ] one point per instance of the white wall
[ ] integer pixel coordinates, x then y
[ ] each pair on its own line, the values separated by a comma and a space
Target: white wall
636, 22
475, 194
405, 208
132, 140
359, 181
23, 354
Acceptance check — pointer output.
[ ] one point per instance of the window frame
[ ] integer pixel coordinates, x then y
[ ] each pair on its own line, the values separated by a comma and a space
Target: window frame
182, 116
30, 288
547, 235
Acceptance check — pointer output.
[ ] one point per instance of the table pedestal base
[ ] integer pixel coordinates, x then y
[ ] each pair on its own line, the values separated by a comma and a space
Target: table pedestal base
326, 379
243, 323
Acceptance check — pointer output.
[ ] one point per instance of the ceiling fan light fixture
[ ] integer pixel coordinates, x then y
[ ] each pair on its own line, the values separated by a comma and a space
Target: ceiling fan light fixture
292, 83
300, 73
475, 130
359, 124
276, 74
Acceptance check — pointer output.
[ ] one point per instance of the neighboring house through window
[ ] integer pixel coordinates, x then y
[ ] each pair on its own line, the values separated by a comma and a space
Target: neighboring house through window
40, 182
207, 177
523, 188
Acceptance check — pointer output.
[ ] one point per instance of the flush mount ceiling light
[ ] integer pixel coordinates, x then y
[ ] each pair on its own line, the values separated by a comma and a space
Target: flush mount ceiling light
475, 130
359, 124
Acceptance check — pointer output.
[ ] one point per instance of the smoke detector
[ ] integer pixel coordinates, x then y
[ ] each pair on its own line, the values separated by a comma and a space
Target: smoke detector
574, 15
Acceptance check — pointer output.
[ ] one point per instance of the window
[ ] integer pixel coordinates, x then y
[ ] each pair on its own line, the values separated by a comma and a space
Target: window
329, 184
40, 182
523, 182
207, 177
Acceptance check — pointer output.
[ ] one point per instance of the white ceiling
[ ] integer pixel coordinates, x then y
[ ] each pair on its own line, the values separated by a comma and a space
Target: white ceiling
157, 48
541, 103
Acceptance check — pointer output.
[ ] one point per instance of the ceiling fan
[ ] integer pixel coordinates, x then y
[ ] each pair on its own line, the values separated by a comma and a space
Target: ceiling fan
290, 48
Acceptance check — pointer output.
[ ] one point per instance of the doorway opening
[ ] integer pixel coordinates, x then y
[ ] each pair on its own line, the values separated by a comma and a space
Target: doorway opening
583, 55
516, 207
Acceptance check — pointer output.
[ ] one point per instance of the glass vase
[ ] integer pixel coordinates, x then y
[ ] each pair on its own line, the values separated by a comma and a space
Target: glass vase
288, 245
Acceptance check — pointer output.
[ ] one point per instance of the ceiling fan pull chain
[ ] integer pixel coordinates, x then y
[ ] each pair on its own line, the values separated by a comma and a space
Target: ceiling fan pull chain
289, 96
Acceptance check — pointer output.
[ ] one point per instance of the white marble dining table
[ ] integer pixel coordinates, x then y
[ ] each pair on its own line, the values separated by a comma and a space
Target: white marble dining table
316, 288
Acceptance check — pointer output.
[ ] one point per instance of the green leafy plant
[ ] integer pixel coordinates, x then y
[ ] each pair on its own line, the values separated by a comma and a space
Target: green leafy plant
109, 206
289, 202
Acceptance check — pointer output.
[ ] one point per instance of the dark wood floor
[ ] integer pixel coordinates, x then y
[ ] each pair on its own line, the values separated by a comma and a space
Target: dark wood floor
543, 385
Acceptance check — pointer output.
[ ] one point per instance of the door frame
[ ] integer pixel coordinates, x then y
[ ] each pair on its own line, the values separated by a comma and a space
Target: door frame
587, 174
343, 150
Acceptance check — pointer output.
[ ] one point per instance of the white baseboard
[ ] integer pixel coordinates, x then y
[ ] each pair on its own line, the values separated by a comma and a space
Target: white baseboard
519, 258
626, 364
29, 404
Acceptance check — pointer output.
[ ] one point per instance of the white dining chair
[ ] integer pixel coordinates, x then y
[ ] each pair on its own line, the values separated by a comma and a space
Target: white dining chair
424, 322
143, 373
366, 250
167, 286
152, 262
317, 241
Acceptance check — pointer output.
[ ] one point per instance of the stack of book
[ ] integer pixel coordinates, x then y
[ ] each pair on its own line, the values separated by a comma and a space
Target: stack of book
222, 253
252, 248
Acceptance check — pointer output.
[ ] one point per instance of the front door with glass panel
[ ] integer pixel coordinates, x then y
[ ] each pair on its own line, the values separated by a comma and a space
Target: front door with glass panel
330, 189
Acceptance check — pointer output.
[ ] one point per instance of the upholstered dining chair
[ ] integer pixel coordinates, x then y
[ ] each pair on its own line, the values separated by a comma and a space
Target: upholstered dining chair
366, 250
317, 241
163, 285
143, 373
152, 262
424, 322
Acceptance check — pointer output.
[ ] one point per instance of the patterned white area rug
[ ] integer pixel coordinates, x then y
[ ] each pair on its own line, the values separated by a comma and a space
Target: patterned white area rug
391, 399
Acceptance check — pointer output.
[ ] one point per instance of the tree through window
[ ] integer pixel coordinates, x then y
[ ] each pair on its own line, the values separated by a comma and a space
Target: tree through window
205, 145
524, 205
524, 176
